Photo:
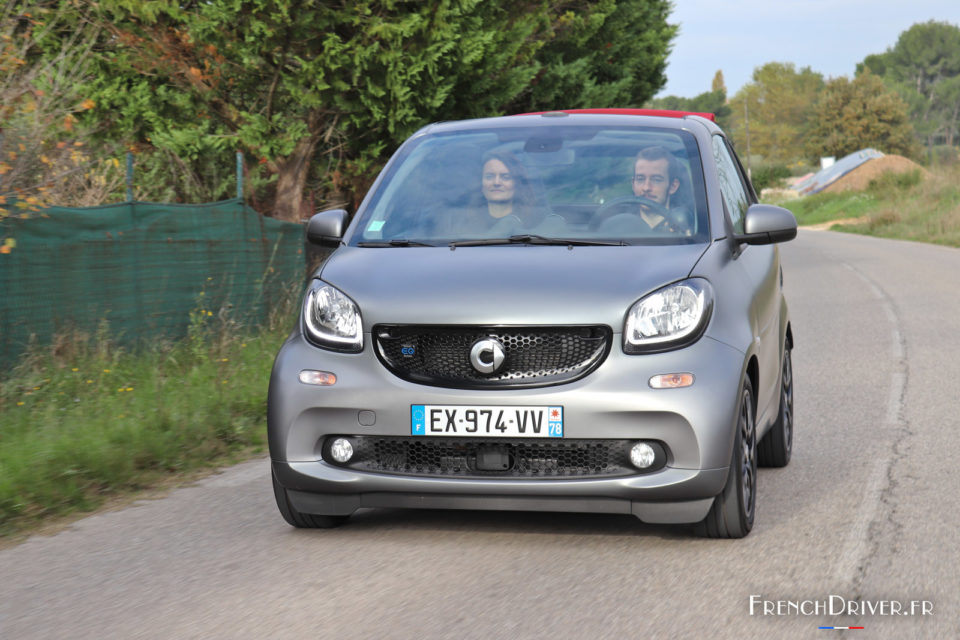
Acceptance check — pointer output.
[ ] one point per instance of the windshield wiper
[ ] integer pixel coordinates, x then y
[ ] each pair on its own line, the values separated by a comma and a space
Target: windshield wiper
396, 242
529, 238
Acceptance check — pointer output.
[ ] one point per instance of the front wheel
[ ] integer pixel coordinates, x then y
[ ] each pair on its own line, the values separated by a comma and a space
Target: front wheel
732, 513
301, 520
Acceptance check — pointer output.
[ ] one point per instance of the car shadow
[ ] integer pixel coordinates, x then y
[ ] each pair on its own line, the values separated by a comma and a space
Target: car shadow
513, 522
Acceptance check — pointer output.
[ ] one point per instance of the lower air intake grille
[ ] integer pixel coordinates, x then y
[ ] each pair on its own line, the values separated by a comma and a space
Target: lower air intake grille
459, 457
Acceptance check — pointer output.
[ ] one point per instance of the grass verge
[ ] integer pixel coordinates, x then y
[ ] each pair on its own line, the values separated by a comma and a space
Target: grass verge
83, 420
905, 206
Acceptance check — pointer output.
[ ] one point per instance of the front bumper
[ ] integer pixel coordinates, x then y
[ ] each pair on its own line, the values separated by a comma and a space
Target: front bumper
310, 484
695, 424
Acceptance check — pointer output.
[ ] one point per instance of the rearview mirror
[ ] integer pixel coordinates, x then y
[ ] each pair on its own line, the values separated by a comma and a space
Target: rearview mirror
326, 228
767, 224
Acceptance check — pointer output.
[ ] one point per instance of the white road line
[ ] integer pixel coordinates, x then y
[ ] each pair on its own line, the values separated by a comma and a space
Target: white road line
898, 385
855, 548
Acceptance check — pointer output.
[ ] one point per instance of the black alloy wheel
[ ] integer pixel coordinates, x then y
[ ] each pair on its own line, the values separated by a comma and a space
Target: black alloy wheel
732, 513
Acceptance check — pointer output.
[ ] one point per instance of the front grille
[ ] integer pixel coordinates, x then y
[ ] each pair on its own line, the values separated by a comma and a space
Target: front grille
533, 356
524, 458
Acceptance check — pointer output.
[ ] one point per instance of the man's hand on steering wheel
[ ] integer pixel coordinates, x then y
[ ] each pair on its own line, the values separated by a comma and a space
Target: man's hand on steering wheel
630, 204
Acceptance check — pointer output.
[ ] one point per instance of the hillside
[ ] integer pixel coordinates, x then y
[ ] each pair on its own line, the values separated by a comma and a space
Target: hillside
917, 205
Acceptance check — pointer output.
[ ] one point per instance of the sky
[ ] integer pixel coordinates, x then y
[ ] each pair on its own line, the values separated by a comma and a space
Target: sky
829, 36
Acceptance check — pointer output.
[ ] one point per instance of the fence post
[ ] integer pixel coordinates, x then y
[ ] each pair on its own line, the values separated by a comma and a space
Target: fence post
129, 176
239, 175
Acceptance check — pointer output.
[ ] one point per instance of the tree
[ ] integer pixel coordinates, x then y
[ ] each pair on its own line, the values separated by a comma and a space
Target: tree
775, 106
924, 67
718, 84
291, 83
600, 53
853, 115
327, 90
714, 102
44, 57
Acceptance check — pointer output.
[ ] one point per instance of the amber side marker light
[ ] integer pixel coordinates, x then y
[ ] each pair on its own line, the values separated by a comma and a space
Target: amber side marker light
671, 380
318, 378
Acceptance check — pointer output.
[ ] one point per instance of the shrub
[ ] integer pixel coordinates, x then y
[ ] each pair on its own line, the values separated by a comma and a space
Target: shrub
769, 175
944, 155
893, 181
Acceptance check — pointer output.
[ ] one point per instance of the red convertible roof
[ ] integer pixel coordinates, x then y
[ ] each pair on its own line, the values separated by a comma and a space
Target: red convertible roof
631, 112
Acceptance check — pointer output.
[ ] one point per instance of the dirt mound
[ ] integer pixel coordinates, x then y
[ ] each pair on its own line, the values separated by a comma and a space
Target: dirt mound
859, 178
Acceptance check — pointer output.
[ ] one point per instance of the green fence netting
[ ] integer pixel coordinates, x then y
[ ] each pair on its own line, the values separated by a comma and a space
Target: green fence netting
141, 267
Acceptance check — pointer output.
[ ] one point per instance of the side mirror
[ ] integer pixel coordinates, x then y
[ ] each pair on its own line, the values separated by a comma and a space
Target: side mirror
767, 224
326, 228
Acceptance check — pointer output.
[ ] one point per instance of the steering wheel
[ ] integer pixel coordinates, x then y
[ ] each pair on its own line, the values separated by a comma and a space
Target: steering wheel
627, 204
630, 204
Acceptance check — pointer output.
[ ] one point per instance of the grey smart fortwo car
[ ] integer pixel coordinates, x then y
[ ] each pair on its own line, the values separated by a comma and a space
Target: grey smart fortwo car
566, 311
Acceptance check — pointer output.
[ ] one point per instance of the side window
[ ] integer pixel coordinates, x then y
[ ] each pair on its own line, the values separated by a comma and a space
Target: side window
735, 194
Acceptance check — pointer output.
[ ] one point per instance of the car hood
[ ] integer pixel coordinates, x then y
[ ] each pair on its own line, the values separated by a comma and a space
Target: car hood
504, 285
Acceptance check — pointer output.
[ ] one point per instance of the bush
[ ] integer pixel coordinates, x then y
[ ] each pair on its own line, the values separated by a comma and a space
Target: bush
944, 155
84, 419
893, 181
768, 175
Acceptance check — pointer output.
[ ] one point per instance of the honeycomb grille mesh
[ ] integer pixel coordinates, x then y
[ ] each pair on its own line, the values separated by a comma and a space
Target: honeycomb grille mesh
458, 457
534, 356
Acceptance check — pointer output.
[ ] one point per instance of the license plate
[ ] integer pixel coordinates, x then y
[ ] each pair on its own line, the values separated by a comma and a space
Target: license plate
486, 421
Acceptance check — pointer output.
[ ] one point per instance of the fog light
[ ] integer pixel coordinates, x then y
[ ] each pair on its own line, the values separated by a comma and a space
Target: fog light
319, 378
642, 455
341, 450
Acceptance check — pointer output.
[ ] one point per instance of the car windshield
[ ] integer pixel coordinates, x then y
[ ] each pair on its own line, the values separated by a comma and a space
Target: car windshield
543, 185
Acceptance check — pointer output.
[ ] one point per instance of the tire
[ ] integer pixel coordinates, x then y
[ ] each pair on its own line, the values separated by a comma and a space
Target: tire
776, 446
302, 520
732, 513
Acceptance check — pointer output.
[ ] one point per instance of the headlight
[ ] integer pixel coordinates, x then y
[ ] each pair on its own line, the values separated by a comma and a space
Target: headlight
670, 318
331, 319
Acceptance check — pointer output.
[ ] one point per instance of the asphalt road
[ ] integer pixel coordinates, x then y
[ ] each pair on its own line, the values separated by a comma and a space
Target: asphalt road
867, 513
